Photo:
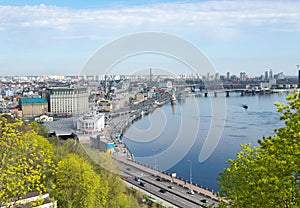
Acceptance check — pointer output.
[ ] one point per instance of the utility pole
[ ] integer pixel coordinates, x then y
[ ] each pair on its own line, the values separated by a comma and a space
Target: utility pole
191, 191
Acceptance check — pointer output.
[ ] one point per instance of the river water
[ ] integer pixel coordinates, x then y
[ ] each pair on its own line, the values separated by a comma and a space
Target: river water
171, 138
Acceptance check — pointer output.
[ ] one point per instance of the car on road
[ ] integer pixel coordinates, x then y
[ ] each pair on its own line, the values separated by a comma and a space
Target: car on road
137, 179
142, 183
170, 187
158, 179
191, 192
203, 201
163, 190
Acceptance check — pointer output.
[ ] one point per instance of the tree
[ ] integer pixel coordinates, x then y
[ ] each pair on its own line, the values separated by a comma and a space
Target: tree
25, 161
268, 175
118, 195
110, 190
77, 185
39, 129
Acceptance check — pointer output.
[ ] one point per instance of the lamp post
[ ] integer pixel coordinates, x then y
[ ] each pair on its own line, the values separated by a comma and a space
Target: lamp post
190, 175
155, 162
154, 150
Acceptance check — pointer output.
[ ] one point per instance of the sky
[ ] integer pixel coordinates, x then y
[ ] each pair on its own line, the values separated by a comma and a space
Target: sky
54, 37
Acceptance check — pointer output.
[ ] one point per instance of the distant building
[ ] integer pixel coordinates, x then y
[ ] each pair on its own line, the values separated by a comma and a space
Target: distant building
266, 75
228, 75
4, 111
207, 76
269, 84
68, 100
165, 84
9, 93
242, 76
91, 123
233, 78
33, 106
99, 142
104, 105
280, 76
271, 74
43, 119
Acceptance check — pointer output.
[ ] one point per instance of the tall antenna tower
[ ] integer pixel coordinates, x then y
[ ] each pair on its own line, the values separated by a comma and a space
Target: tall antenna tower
151, 75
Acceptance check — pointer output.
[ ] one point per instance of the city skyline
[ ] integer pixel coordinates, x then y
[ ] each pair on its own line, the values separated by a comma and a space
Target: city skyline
59, 37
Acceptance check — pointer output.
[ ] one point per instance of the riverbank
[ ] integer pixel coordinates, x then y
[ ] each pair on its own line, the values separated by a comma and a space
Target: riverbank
119, 122
118, 125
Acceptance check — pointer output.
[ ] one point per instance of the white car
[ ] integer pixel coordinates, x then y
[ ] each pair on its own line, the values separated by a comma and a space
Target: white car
191, 191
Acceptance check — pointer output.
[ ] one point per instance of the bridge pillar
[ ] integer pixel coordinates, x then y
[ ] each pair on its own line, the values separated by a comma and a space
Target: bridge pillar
242, 93
205, 94
227, 93
215, 94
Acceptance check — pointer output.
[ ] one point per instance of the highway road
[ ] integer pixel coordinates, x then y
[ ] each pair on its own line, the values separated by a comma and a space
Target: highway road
165, 189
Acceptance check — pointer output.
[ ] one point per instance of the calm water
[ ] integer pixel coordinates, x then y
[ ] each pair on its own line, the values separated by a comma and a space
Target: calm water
171, 139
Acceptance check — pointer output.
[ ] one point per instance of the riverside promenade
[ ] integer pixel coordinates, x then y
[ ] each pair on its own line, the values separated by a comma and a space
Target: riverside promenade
174, 180
118, 125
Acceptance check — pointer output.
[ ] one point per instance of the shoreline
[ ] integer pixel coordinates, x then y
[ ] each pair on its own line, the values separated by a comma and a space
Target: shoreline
122, 122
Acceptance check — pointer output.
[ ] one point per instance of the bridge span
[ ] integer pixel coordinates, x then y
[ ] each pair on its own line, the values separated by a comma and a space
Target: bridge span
242, 92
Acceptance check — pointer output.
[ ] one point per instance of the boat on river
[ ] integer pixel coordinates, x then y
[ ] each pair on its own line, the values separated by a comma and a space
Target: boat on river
181, 96
173, 98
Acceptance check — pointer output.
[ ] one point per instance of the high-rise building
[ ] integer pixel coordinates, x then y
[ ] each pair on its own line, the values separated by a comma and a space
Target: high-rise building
228, 76
68, 100
243, 76
208, 76
271, 74
266, 75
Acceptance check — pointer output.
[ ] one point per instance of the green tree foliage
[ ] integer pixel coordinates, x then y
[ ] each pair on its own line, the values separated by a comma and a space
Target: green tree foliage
118, 195
268, 175
39, 129
28, 163
25, 161
77, 185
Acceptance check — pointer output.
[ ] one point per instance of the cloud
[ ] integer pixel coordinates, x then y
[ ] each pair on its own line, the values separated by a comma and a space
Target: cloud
218, 18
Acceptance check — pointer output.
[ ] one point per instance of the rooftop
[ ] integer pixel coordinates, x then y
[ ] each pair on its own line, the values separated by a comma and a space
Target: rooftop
32, 100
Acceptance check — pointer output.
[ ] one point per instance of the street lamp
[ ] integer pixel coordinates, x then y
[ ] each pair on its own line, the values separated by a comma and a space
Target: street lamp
191, 191
154, 150
155, 162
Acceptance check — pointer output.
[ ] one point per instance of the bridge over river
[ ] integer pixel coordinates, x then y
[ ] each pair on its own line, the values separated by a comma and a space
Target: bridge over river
243, 92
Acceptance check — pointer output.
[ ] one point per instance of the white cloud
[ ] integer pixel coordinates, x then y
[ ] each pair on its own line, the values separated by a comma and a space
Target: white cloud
226, 18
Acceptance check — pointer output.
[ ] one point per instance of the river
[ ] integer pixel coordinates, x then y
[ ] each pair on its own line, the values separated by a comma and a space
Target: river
171, 138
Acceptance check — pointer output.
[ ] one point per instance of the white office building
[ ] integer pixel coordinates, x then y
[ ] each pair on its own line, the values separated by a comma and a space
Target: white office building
90, 123
68, 100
